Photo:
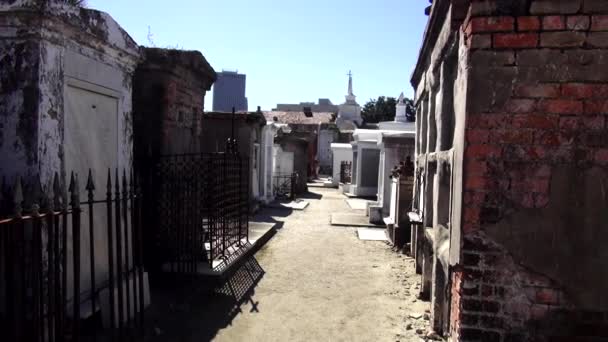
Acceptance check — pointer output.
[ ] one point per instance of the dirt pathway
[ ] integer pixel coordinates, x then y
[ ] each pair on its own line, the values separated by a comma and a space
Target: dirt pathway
311, 282
322, 283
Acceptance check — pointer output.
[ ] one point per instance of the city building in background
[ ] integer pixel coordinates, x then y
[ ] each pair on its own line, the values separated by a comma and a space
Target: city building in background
229, 91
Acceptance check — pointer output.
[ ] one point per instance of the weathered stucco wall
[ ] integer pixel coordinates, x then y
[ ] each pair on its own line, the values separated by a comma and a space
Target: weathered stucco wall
43, 50
65, 102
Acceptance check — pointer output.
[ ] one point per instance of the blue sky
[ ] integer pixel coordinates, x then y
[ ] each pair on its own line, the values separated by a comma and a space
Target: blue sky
292, 51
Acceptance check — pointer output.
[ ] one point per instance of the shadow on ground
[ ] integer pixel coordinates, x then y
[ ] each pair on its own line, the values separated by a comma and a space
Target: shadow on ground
195, 309
311, 195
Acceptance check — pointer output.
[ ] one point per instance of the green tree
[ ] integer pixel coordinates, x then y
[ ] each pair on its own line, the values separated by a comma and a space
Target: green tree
384, 109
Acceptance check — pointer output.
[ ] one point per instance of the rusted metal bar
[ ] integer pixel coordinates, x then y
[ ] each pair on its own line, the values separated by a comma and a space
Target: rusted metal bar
75, 204
137, 209
110, 249
90, 187
119, 260
125, 211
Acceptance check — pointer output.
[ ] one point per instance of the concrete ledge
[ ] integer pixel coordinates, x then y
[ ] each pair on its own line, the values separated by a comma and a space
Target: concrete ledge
220, 270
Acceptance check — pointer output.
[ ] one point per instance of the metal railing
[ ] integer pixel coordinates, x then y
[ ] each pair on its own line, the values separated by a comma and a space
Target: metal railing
200, 205
71, 270
284, 185
346, 172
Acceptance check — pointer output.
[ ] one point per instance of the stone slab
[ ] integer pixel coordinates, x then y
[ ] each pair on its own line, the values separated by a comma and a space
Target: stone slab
293, 205
357, 203
372, 234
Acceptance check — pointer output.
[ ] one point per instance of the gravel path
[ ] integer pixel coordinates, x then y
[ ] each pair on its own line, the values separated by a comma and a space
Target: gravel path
312, 282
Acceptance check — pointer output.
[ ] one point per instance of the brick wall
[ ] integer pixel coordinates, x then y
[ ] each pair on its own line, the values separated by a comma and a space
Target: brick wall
538, 103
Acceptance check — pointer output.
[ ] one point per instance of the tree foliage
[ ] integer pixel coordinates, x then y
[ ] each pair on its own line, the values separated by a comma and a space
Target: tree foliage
384, 109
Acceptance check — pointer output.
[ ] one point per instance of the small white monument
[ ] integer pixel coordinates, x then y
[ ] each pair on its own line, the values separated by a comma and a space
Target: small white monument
400, 123
350, 111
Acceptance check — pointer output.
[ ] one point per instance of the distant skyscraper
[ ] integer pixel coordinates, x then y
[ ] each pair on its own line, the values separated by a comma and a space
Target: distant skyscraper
229, 91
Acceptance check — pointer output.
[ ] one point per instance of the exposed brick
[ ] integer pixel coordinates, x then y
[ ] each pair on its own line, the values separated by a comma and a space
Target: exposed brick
538, 57
477, 135
514, 136
578, 23
492, 58
471, 259
471, 214
471, 305
555, 6
598, 39
490, 336
570, 123
514, 337
490, 306
475, 182
483, 151
479, 41
491, 322
487, 290
515, 40
473, 198
596, 107
489, 120
538, 121
469, 334
595, 122
541, 200
491, 24
599, 23
528, 23
595, 6
520, 106
548, 138
584, 90
562, 39
483, 8
471, 291
601, 156
540, 185
547, 296
537, 90
554, 23
561, 106
538, 312
469, 319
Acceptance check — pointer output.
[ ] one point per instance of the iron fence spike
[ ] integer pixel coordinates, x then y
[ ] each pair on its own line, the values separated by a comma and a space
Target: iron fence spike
18, 197
36, 195
124, 181
109, 183
117, 184
90, 183
74, 190
57, 193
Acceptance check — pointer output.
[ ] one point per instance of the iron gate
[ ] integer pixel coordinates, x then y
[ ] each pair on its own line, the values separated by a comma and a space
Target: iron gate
346, 172
284, 185
71, 270
202, 208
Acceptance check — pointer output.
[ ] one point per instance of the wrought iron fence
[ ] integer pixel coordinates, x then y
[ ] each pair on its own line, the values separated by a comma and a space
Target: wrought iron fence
284, 185
201, 204
346, 172
71, 270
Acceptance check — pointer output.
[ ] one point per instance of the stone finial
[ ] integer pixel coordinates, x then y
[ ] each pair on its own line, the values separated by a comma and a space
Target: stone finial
401, 109
401, 99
